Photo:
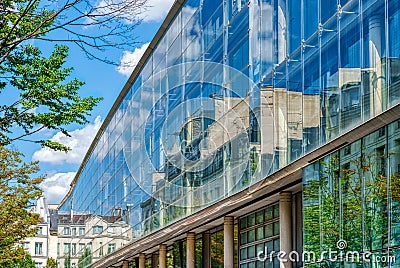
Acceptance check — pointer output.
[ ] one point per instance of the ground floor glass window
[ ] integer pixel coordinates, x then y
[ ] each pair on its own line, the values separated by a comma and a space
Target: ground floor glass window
259, 233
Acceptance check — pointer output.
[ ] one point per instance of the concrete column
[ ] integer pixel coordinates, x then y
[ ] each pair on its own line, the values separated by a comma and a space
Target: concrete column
285, 223
190, 250
125, 264
142, 260
206, 250
229, 245
163, 256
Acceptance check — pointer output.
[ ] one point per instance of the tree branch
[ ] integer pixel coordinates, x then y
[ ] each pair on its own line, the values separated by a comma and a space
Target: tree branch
26, 134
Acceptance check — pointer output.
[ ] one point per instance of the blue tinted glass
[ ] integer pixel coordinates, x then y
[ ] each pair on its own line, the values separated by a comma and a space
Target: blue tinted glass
328, 9
238, 43
212, 29
394, 51
208, 9
310, 15
235, 7
343, 2
294, 30
394, 28
174, 52
192, 3
239, 57
350, 41
215, 51
191, 29
238, 28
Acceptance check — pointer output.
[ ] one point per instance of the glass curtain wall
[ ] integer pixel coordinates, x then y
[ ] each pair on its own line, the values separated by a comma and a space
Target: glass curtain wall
353, 196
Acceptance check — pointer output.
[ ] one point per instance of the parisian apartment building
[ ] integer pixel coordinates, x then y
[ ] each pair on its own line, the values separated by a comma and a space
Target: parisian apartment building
41, 246
67, 239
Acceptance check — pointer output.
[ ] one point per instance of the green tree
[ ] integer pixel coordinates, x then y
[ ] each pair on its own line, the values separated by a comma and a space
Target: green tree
19, 187
51, 263
85, 259
67, 262
48, 98
24, 260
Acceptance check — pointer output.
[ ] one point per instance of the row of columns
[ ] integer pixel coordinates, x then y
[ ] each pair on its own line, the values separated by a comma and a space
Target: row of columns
285, 214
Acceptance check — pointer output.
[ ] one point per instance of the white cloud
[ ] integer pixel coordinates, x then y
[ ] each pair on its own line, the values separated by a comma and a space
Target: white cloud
156, 10
132, 11
55, 187
79, 143
130, 59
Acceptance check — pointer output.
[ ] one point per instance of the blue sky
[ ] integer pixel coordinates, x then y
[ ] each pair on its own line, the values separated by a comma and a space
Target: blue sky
102, 80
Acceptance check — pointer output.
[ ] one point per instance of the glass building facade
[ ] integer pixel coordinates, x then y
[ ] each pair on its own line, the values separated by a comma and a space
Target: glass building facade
234, 91
353, 195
